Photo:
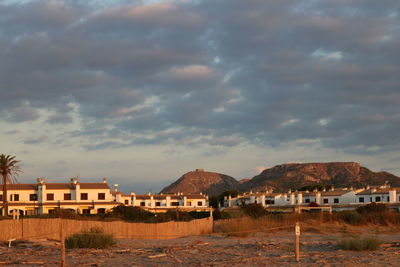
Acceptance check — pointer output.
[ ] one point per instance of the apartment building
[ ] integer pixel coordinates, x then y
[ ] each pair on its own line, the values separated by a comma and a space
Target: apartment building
43, 198
332, 197
91, 198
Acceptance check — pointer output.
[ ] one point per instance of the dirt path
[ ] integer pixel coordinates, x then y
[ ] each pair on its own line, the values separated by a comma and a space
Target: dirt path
215, 250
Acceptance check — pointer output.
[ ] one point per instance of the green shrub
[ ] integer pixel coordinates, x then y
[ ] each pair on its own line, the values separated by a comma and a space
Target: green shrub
133, 214
360, 244
92, 238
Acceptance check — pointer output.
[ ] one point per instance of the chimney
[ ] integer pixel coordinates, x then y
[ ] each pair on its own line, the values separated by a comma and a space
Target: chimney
74, 180
40, 180
105, 180
115, 187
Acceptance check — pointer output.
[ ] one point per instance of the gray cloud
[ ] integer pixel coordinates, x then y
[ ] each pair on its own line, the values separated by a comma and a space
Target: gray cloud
263, 72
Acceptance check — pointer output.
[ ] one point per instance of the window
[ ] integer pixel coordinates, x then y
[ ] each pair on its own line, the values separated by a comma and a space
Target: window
361, 199
85, 211
32, 197
326, 201
142, 203
335, 200
199, 203
175, 204
307, 200
101, 211
126, 202
1, 197
102, 196
15, 197
50, 197
387, 199
377, 199
370, 199
158, 203
190, 203
67, 196
84, 196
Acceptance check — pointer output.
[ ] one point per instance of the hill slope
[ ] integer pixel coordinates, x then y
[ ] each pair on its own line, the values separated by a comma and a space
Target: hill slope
297, 175
197, 181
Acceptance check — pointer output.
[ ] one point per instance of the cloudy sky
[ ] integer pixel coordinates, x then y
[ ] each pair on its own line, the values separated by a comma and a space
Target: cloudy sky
144, 91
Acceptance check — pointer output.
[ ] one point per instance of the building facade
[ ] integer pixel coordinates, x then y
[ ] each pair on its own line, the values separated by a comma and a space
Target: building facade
333, 197
90, 198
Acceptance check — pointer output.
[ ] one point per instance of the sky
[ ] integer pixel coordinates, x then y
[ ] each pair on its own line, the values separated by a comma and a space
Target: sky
142, 92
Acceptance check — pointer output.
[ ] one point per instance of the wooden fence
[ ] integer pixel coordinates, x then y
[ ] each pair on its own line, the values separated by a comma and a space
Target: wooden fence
30, 229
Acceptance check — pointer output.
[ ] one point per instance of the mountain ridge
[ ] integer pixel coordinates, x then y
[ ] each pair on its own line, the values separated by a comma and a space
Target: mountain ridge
283, 177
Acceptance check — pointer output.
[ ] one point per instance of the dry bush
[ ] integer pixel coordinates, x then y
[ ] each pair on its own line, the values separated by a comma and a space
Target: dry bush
360, 244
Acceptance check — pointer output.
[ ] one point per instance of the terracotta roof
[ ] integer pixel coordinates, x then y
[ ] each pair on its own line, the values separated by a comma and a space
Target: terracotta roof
197, 196
378, 191
22, 186
142, 197
335, 193
94, 186
309, 194
59, 186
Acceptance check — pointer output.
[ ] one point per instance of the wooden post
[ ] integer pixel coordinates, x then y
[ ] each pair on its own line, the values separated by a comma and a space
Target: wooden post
22, 226
62, 263
297, 245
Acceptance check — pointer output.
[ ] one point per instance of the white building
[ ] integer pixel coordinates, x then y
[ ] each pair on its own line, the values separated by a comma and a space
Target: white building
380, 195
332, 197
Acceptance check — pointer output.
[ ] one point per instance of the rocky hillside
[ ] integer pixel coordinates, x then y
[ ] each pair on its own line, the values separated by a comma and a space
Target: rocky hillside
197, 181
297, 175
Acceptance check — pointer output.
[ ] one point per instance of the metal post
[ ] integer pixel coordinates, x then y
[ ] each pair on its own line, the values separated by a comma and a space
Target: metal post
297, 234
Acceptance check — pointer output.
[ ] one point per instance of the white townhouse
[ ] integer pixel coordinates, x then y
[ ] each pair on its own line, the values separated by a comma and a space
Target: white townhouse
43, 197
331, 197
342, 196
264, 198
383, 194
164, 202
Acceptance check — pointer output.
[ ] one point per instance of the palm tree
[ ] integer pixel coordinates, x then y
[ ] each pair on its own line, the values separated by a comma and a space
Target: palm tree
9, 170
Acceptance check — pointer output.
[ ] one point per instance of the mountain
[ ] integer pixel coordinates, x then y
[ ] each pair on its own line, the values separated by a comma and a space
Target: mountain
198, 181
296, 175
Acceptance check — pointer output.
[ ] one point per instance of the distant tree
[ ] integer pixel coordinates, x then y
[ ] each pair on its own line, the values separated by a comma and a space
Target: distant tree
215, 201
9, 171
320, 187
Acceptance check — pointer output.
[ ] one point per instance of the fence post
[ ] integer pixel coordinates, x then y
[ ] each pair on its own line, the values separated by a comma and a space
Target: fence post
297, 245
62, 262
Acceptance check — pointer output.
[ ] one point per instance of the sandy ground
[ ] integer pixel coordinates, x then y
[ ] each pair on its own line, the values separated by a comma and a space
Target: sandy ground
262, 249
